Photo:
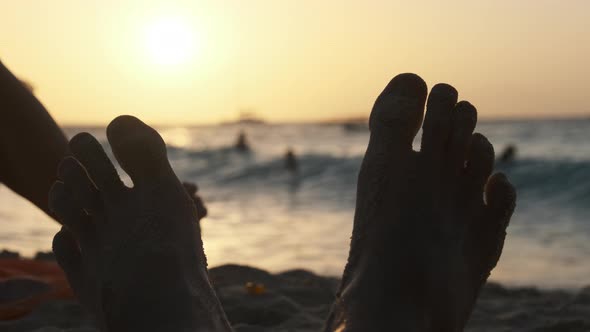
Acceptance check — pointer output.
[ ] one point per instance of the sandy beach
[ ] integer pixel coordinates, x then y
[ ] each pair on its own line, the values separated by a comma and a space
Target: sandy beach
299, 300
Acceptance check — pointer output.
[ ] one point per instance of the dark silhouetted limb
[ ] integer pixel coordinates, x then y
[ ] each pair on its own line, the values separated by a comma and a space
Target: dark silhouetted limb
424, 240
133, 256
31, 143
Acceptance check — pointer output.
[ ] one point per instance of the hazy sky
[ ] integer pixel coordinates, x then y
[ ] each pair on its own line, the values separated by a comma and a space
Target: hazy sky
201, 61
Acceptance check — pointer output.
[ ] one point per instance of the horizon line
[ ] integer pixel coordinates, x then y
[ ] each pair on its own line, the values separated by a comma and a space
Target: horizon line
334, 121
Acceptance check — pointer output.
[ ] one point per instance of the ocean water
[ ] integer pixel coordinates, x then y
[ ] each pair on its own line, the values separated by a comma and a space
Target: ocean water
262, 215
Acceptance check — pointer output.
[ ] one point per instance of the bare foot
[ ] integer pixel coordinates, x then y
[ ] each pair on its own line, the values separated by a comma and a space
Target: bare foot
130, 254
424, 238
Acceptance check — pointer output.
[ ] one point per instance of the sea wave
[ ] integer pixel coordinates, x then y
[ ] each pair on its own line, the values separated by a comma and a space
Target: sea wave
563, 181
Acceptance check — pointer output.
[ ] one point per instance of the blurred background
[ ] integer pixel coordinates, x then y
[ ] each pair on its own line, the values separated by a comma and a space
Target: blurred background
302, 75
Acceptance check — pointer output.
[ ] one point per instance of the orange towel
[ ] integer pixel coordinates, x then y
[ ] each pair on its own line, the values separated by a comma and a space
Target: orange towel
40, 271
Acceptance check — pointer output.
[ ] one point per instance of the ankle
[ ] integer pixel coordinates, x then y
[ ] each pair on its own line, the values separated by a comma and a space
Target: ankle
176, 310
380, 302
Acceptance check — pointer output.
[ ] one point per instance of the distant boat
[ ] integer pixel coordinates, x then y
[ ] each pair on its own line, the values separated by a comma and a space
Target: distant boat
246, 117
351, 124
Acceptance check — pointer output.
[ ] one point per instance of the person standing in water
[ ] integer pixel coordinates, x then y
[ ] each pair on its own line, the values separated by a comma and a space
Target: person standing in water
291, 161
508, 154
242, 142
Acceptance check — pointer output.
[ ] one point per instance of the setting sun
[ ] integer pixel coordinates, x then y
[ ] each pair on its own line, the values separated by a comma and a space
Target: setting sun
170, 41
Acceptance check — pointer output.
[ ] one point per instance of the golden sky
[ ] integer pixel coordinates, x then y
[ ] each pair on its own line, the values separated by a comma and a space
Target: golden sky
293, 60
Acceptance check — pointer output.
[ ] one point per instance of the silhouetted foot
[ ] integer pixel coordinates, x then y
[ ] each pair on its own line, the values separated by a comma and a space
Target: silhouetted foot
424, 238
133, 256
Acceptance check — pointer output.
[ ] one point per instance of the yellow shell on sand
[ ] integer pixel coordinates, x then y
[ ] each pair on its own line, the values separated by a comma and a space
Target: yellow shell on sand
254, 288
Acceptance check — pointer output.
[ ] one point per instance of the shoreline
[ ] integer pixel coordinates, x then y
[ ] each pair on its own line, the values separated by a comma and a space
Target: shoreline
299, 300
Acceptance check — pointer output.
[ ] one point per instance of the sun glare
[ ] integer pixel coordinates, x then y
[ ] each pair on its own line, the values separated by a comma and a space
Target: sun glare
170, 41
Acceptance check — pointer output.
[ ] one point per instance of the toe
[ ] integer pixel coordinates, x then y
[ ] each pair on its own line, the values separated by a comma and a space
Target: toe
437, 122
488, 234
191, 190
69, 258
68, 212
140, 150
398, 111
463, 123
500, 198
394, 121
77, 183
88, 151
480, 161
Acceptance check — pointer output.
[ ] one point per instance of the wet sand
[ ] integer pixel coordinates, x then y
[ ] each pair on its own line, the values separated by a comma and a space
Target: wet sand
298, 300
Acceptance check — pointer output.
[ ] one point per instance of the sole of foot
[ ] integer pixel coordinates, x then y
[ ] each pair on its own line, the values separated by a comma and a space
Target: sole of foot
133, 256
429, 226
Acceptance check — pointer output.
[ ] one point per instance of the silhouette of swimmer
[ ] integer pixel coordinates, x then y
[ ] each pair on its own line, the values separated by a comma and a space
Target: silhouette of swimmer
291, 161
508, 154
242, 143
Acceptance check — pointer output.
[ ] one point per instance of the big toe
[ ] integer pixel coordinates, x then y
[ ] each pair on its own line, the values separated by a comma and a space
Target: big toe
398, 111
139, 149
